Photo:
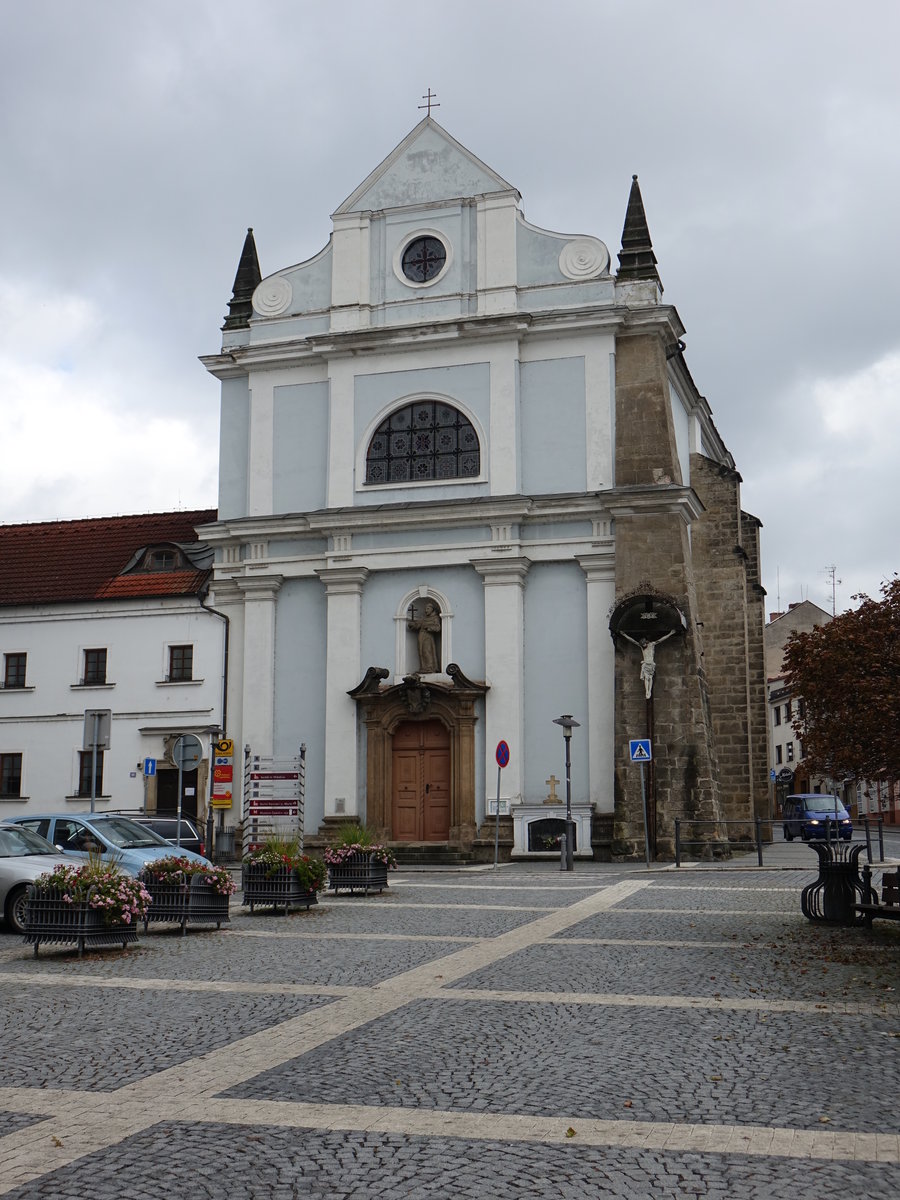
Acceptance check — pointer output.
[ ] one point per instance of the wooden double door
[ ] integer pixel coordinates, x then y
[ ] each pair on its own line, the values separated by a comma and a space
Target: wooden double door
420, 800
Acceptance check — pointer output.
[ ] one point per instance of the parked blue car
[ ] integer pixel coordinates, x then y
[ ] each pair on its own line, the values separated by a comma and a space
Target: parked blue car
118, 839
811, 815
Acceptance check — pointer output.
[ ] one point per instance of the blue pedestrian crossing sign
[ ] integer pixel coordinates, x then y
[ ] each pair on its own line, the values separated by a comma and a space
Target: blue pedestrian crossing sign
639, 749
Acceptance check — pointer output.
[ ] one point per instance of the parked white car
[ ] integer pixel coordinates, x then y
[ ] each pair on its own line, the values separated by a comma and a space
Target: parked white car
24, 855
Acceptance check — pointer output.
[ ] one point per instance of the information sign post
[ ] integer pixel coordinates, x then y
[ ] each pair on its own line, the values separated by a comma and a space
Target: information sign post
96, 737
641, 751
187, 753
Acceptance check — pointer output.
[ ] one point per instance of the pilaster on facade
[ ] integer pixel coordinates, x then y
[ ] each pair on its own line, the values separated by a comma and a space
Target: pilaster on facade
504, 439
343, 591
600, 577
504, 665
258, 686
261, 450
341, 448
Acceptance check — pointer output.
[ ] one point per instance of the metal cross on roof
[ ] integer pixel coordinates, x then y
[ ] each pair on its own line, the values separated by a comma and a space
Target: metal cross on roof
430, 99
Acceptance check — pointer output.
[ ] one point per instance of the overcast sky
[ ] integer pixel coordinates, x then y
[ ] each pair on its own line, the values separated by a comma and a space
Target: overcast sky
138, 142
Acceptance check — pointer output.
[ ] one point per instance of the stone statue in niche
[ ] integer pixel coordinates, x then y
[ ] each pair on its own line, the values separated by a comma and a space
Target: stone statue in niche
428, 637
648, 657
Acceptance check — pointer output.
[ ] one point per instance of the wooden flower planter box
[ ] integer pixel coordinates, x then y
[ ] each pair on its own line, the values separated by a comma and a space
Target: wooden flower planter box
192, 901
276, 889
358, 873
49, 917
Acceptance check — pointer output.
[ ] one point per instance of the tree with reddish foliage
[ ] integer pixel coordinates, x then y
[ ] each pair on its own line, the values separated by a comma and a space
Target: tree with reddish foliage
848, 673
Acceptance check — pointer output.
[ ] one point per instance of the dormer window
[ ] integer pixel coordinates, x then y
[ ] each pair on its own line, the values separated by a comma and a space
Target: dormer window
162, 558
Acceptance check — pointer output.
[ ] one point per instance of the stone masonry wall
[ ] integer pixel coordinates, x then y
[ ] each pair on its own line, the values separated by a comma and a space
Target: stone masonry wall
756, 656
653, 549
731, 613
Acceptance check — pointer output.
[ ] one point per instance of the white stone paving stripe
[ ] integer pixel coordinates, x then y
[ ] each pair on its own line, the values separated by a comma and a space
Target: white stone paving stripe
713, 914
507, 887
74, 1117
690, 887
437, 991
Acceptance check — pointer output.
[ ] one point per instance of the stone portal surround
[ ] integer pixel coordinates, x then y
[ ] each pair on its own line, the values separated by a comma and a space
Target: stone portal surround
78, 1123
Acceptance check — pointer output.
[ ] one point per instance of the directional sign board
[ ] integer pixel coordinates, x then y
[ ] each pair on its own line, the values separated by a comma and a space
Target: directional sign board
223, 773
149, 767
640, 750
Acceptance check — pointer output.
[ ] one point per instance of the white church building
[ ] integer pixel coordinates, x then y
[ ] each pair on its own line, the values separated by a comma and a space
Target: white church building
454, 447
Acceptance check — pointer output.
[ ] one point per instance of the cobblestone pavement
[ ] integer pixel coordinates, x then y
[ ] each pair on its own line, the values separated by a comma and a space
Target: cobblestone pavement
516, 1033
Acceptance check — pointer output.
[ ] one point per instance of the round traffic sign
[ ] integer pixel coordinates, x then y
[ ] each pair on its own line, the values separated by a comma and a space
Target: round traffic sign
187, 751
502, 754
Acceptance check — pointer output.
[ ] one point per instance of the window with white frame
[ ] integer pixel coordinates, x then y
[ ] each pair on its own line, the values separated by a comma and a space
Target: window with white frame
428, 440
181, 664
85, 760
14, 670
94, 666
10, 775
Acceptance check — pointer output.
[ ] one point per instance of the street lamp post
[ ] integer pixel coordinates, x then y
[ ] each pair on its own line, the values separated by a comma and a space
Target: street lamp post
568, 724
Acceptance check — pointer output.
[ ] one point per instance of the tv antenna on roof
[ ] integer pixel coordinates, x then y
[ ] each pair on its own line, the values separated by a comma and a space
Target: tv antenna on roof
831, 572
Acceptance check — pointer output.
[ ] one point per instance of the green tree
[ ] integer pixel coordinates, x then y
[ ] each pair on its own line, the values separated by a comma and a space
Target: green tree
848, 674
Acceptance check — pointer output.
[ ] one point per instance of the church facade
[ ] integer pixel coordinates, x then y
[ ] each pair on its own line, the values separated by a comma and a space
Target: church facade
467, 486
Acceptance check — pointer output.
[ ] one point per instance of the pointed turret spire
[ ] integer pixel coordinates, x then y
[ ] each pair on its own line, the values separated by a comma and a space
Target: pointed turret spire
240, 308
636, 258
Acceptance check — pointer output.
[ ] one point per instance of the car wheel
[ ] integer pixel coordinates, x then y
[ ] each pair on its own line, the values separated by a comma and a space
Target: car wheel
788, 836
15, 908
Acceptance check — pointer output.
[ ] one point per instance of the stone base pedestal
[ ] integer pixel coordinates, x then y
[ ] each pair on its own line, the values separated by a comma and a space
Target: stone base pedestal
537, 828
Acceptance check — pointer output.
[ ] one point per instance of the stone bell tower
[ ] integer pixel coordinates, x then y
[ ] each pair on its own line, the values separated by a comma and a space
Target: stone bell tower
655, 511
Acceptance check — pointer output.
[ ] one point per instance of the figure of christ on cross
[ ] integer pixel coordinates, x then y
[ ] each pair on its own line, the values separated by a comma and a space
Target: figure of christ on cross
648, 658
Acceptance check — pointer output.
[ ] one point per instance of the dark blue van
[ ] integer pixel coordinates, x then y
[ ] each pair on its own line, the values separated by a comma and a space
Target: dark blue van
812, 815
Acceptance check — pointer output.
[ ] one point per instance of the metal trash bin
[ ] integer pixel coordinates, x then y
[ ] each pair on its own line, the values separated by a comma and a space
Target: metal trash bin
839, 887
224, 844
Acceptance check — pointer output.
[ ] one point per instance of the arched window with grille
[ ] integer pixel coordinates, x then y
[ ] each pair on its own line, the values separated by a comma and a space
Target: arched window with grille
422, 441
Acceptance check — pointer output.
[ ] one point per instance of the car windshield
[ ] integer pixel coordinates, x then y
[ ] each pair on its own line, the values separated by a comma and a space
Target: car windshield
16, 841
127, 835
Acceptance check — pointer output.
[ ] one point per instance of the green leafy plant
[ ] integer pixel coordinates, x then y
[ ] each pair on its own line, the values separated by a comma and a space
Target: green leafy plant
279, 852
352, 839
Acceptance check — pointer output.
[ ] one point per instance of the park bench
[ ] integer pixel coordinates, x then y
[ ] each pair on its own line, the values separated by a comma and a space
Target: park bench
889, 908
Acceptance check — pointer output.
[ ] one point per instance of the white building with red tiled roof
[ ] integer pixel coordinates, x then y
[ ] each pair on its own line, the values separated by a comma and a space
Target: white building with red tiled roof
100, 614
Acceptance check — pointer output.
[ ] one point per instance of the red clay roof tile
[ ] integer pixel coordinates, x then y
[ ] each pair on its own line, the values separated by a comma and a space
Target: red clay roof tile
50, 562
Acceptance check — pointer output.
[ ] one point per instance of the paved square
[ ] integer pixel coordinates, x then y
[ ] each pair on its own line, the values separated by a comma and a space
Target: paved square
510, 1033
